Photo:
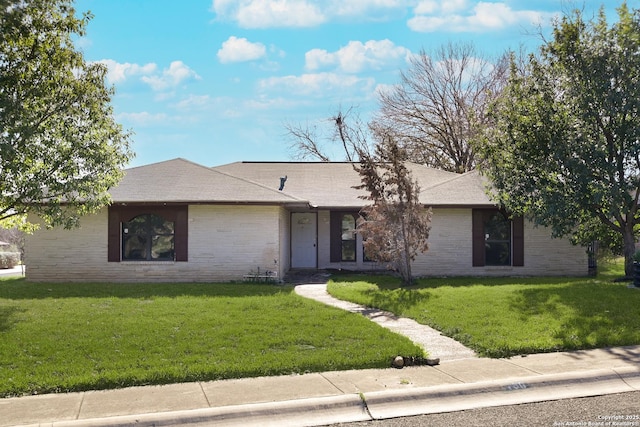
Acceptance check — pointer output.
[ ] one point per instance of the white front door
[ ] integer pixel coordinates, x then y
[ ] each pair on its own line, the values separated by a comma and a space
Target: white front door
304, 240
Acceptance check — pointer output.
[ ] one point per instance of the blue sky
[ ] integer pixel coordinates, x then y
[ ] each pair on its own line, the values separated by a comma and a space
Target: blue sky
216, 81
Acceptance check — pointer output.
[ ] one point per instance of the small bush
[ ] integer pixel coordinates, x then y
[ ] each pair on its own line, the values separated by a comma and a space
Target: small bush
9, 259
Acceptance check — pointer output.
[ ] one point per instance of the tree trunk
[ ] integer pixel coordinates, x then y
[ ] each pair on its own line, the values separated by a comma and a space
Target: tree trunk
407, 275
629, 249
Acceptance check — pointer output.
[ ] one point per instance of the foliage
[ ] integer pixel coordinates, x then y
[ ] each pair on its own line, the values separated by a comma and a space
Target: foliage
14, 237
60, 148
73, 337
502, 317
9, 259
565, 148
441, 104
395, 228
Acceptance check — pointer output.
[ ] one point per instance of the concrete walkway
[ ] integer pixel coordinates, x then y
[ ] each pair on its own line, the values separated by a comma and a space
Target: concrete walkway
437, 345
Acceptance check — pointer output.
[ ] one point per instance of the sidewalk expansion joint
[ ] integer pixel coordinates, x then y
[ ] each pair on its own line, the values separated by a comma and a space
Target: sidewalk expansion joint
322, 374
205, 394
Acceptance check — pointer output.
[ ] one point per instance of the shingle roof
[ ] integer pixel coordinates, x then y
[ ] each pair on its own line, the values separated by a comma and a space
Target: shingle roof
318, 184
467, 189
329, 184
180, 180
322, 184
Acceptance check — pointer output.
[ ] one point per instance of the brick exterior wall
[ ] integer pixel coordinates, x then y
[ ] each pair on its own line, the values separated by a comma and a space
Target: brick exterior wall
450, 251
225, 243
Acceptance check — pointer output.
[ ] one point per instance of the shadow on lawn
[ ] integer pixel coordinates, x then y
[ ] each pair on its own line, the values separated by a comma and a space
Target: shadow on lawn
398, 300
387, 293
19, 289
8, 317
585, 315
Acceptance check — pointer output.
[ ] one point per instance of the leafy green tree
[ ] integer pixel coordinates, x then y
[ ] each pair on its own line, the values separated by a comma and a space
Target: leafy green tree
60, 147
395, 228
565, 148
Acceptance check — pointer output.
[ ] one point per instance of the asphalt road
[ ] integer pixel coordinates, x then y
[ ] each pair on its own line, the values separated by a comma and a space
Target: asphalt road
607, 411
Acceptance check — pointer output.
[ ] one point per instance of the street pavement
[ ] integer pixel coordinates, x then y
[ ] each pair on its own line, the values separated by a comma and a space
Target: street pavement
461, 381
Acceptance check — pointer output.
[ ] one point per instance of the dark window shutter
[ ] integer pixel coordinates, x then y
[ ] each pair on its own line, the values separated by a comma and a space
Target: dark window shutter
336, 236
477, 236
182, 233
113, 235
518, 241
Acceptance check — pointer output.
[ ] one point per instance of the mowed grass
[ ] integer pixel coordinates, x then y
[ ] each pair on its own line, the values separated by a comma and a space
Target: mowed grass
501, 317
73, 337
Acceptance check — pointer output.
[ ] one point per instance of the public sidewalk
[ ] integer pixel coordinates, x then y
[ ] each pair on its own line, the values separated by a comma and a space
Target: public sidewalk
342, 396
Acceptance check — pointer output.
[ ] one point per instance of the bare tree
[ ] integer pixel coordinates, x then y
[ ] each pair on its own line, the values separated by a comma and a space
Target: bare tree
441, 104
395, 228
314, 143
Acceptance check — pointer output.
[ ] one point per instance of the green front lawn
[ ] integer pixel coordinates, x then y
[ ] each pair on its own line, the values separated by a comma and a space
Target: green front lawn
72, 337
509, 316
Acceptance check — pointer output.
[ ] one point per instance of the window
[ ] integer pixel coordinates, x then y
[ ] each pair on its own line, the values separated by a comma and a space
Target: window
497, 240
148, 237
148, 233
343, 236
348, 237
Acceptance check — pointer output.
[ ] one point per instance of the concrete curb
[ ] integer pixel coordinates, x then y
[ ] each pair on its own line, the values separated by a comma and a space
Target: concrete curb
389, 404
459, 397
301, 412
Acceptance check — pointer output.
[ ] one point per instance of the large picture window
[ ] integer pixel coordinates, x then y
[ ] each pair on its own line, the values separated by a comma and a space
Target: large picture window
497, 239
148, 237
148, 233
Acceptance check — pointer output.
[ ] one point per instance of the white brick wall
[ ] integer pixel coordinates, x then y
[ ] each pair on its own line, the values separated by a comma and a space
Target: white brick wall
225, 243
450, 251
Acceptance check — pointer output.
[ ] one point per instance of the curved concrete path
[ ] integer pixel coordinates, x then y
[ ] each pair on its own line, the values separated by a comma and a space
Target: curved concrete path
437, 345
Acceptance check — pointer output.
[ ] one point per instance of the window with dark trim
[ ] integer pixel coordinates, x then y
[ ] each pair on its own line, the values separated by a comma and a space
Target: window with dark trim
497, 240
343, 236
148, 233
148, 237
348, 237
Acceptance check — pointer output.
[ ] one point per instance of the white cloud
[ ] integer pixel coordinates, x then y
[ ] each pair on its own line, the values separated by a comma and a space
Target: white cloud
429, 15
316, 84
239, 50
358, 56
303, 13
171, 77
362, 7
434, 16
193, 102
270, 13
119, 72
